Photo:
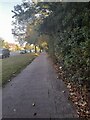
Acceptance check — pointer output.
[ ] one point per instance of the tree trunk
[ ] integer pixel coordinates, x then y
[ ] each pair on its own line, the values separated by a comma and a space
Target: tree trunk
35, 48
40, 49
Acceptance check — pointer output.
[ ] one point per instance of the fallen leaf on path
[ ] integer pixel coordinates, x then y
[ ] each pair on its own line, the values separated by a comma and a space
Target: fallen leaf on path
77, 93
71, 90
68, 86
57, 77
83, 103
33, 104
76, 103
72, 93
35, 114
14, 110
87, 112
60, 67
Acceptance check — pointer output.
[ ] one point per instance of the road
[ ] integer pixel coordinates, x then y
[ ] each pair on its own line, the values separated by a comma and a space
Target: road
14, 53
37, 93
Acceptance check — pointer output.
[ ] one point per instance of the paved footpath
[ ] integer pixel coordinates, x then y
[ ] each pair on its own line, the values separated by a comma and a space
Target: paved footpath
37, 93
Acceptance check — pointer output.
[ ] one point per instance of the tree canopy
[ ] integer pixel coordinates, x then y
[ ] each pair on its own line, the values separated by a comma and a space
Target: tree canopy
65, 27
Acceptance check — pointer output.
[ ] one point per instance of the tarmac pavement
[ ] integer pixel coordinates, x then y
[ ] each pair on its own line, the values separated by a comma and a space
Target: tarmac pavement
37, 93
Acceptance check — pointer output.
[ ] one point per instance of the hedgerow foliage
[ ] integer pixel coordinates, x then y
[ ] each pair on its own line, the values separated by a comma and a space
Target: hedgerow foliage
68, 28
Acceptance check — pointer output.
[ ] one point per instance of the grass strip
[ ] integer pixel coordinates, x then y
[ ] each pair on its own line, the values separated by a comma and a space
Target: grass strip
13, 65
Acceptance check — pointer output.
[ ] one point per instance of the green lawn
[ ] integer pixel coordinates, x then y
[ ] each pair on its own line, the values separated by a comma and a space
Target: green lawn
13, 65
0, 72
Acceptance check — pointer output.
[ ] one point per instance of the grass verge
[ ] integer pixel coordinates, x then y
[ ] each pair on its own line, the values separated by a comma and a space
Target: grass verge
13, 65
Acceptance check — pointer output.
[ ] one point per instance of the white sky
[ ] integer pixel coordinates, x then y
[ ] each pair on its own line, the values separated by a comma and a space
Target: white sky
6, 17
